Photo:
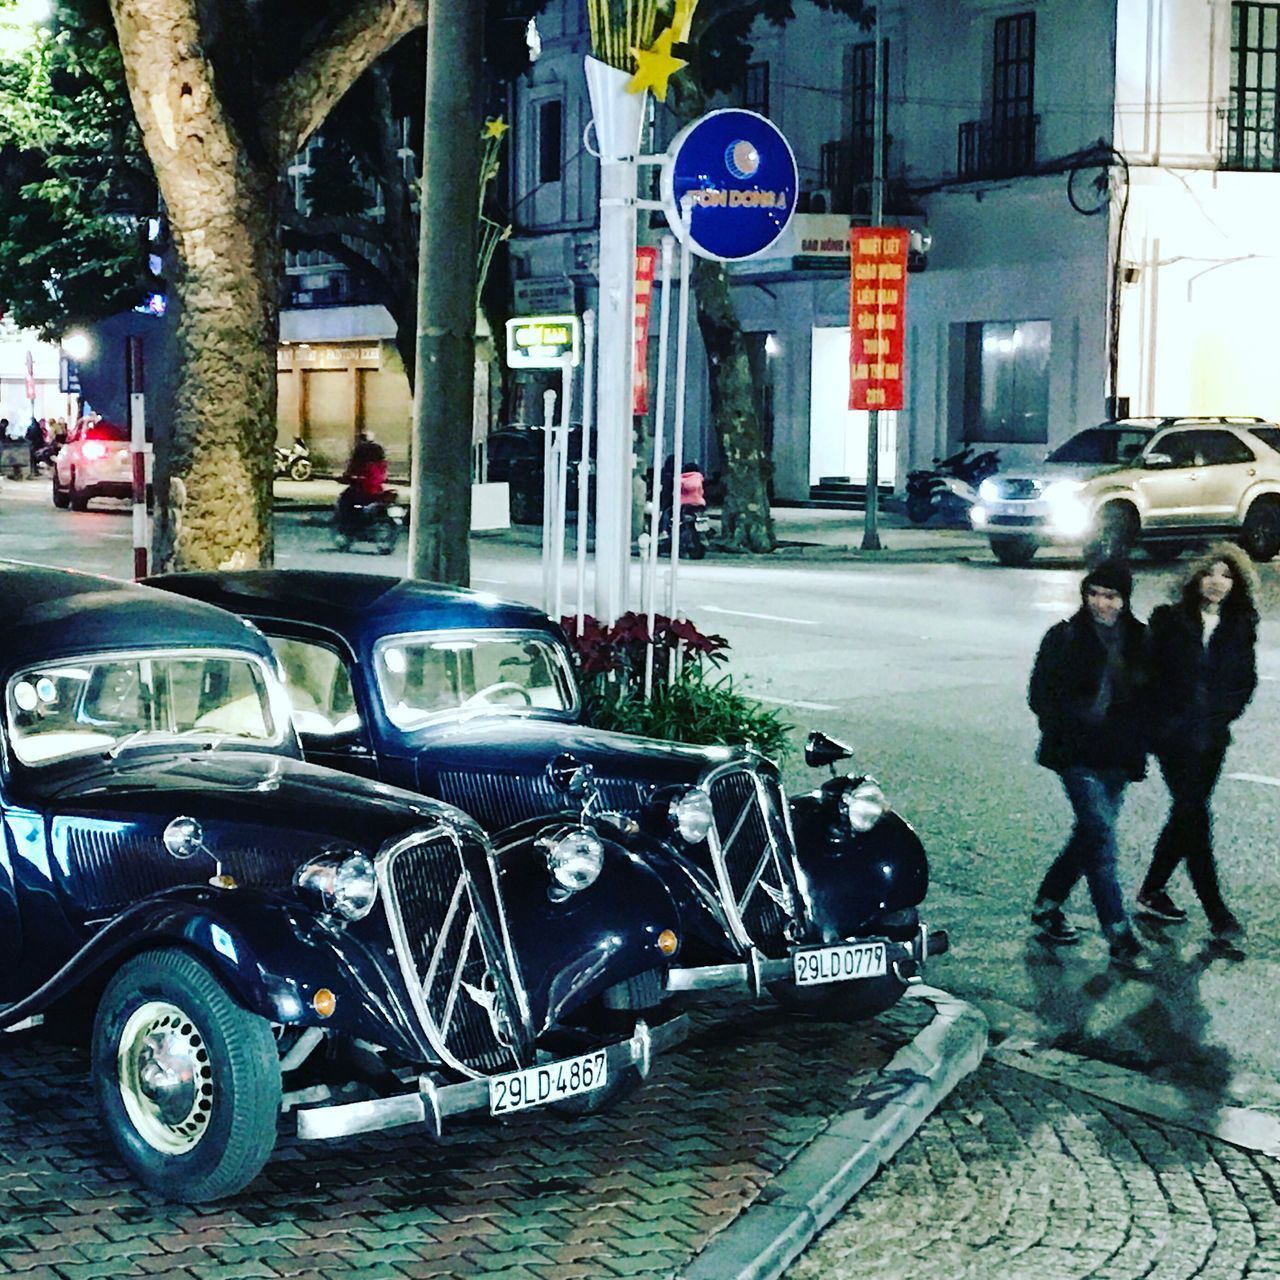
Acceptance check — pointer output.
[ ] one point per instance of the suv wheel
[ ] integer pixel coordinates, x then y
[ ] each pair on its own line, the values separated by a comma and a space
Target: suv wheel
1117, 532
61, 498
1260, 535
78, 501
1013, 551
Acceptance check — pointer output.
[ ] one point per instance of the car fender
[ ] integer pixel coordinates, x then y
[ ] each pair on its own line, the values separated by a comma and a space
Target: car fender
1259, 489
1117, 493
571, 948
851, 878
272, 954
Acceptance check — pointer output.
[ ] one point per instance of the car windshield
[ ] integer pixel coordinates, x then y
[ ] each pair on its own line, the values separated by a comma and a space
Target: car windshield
105, 703
424, 677
1101, 446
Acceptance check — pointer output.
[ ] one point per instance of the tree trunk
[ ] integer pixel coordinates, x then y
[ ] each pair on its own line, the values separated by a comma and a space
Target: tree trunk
746, 522
440, 533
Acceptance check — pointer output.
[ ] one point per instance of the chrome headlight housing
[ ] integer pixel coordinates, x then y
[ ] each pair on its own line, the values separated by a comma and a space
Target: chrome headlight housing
575, 856
692, 814
343, 879
863, 803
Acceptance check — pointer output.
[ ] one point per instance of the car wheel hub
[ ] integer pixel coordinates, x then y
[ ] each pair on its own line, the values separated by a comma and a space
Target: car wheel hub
166, 1078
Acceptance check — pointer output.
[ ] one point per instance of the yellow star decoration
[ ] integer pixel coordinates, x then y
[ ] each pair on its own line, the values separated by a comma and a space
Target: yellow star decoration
494, 128
655, 66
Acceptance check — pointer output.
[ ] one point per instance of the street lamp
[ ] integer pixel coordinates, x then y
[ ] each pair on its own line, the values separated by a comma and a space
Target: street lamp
78, 345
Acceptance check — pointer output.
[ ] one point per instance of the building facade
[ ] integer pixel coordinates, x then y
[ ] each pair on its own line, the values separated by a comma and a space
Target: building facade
1095, 178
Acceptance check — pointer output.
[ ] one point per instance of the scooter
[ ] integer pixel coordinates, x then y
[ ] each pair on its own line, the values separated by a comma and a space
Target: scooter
359, 518
294, 462
694, 530
951, 487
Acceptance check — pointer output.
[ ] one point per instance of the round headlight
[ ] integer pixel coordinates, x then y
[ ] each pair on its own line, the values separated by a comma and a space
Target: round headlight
345, 883
989, 490
574, 858
864, 805
692, 815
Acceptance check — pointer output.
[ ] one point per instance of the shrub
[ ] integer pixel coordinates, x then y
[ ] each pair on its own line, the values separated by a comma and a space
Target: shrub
696, 706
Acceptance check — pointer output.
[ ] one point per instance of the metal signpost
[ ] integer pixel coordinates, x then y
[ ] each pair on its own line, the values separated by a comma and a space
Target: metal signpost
139, 450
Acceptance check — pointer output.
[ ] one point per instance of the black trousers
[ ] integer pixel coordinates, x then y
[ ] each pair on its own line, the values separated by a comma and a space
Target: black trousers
1190, 776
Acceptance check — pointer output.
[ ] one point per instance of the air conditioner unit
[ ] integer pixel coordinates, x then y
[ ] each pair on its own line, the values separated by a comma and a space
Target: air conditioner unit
822, 200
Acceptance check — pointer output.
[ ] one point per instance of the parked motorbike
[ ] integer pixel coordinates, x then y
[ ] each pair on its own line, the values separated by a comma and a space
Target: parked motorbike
694, 525
294, 462
376, 519
950, 489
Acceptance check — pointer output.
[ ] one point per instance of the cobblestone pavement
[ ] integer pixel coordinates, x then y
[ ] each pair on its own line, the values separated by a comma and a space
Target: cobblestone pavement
1022, 1179
635, 1191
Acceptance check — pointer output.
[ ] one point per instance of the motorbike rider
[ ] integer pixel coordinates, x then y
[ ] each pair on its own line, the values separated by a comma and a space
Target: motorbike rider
365, 477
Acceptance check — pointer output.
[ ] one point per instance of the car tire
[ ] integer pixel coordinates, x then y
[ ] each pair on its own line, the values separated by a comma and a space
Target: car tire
203, 1128
1013, 551
1118, 527
1260, 534
919, 508
300, 469
1164, 552
841, 1001
61, 498
76, 500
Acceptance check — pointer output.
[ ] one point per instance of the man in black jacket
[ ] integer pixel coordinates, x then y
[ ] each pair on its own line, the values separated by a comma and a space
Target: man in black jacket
1088, 692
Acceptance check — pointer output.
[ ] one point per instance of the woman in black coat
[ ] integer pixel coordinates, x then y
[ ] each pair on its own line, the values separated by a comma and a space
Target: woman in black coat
1203, 675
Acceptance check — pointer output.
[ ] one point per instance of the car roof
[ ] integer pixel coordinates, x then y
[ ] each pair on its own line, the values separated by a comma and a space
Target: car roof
358, 606
56, 613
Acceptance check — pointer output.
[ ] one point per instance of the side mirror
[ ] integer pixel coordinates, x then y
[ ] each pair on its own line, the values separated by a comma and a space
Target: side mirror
1156, 461
820, 750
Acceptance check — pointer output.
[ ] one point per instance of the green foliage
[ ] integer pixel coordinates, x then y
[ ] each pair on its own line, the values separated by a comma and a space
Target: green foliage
695, 705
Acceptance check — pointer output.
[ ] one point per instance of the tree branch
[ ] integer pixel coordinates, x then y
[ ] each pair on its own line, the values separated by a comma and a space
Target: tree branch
335, 61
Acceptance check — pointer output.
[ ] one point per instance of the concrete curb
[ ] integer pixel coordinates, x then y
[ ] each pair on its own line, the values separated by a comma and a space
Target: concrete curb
765, 1239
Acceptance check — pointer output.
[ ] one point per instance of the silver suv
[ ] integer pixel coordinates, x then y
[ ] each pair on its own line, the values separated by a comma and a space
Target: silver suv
1170, 483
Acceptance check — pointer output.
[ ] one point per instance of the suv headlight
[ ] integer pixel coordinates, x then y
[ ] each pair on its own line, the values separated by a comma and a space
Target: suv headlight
692, 815
575, 856
345, 882
864, 804
989, 490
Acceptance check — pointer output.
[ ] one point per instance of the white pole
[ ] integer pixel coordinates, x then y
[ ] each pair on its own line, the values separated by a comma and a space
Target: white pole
677, 445
619, 119
584, 456
548, 431
138, 450
561, 457
650, 583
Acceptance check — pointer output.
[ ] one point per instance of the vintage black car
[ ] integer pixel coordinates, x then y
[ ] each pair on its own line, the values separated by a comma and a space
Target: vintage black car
252, 933
473, 700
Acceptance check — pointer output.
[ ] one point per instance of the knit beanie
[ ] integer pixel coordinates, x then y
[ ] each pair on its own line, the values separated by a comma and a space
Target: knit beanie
1112, 575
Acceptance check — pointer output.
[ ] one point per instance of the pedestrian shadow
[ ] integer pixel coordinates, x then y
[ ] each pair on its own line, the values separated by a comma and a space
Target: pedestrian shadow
1154, 1023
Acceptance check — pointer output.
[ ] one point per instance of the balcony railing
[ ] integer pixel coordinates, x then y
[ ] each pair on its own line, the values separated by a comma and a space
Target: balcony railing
1248, 137
987, 150
842, 167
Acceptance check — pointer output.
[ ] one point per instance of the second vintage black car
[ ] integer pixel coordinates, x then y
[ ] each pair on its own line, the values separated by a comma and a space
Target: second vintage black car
250, 934
473, 700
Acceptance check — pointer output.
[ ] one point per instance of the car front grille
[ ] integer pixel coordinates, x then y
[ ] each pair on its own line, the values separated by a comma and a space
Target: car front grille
441, 899
497, 801
751, 848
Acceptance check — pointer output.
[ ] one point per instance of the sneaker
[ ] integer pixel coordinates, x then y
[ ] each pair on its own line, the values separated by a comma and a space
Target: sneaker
1053, 925
1227, 929
1126, 952
1159, 906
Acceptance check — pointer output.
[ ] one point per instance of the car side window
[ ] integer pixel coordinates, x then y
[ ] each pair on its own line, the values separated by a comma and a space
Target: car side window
1180, 446
1221, 448
319, 687
1129, 444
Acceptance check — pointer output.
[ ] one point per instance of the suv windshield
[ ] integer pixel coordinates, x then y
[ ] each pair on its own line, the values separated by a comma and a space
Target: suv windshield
98, 703
422, 677
1102, 446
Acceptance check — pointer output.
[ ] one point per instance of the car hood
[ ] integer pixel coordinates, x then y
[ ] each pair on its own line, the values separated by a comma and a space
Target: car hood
246, 789
1050, 471
497, 769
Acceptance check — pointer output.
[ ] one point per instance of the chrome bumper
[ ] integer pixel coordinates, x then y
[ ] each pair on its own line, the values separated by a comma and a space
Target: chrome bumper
433, 1103
758, 971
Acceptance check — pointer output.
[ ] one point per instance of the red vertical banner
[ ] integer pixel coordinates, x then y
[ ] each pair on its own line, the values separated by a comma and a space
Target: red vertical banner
877, 311
646, 269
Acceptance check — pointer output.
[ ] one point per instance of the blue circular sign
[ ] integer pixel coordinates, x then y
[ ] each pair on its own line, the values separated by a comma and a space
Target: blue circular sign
736, 174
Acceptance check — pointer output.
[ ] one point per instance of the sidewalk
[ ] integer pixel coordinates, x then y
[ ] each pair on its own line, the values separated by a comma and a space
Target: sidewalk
806, 533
